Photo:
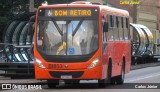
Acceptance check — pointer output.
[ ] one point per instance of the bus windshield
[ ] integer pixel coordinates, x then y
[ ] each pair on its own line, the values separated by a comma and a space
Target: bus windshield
67, 37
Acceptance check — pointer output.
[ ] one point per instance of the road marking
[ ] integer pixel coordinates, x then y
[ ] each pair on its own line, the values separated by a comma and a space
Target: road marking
141, 77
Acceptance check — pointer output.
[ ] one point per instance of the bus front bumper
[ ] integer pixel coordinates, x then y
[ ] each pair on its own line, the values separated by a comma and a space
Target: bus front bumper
82, 74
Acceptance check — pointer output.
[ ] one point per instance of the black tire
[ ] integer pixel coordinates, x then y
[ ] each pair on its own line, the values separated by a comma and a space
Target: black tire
52, 83
120, 78
76, 81
72, 81
102, 83
113, 80
110, 79
68, 82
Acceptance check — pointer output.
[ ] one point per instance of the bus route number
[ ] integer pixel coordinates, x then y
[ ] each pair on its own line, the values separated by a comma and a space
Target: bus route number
55, 66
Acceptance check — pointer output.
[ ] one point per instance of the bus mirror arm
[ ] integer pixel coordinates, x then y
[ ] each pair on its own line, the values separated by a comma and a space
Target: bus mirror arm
104, 42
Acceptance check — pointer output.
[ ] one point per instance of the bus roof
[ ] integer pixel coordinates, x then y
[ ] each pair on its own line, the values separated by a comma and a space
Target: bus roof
113, 11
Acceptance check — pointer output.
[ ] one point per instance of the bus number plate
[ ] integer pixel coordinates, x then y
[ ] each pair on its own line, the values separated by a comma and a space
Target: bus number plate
55, 66
66, 76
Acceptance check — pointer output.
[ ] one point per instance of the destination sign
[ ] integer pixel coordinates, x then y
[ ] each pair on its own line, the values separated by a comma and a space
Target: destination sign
70, 12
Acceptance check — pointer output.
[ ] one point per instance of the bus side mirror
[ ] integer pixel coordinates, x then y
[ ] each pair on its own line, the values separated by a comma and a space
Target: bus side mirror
105, 27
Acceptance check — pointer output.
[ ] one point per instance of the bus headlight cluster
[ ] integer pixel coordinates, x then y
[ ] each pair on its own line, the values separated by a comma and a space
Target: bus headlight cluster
94, 63
39, 63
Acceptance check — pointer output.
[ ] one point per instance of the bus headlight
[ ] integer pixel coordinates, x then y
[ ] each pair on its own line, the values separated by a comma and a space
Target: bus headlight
40, 64
94, 63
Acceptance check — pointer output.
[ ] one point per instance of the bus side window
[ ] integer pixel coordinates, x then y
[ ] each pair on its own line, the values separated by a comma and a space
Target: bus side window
105, 31
127, 26
117, 22
125, 29
120, 28
110, 27
116, 33
111, 21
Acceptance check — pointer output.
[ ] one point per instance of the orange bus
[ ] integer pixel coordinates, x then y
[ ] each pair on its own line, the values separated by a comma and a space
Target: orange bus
81, 41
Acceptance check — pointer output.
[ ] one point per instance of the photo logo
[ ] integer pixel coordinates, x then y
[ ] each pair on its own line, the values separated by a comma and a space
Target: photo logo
19, 86
6, 86
130, 2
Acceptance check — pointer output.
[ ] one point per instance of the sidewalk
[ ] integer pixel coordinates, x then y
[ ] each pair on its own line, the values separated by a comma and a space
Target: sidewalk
133, 67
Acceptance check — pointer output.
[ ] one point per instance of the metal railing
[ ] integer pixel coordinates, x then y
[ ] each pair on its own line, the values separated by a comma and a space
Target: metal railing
12, 47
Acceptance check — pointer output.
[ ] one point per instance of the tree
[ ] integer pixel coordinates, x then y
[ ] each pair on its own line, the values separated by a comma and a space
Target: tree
105, 2
9, 9
61, 1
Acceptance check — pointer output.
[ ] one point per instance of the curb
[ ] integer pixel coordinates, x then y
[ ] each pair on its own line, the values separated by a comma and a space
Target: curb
134, 67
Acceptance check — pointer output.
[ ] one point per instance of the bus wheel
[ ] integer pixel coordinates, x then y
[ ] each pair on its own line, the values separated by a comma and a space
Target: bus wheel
120, 78
102, 83
68, 81
76, 81
72, 81
52, 83
111, 80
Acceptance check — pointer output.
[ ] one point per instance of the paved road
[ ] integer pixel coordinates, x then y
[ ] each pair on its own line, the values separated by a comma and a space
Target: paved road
134, 82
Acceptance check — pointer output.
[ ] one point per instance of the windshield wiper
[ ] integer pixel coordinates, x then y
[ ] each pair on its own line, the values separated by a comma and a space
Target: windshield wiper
76, 29
59, 30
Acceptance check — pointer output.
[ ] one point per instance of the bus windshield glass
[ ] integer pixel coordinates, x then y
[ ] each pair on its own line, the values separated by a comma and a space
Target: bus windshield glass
70, 37
67, 31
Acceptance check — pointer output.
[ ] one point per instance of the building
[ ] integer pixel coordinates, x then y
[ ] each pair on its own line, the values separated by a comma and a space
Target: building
147, 12
95, 1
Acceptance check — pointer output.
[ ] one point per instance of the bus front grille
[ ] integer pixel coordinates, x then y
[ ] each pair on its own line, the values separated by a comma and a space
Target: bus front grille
74, 74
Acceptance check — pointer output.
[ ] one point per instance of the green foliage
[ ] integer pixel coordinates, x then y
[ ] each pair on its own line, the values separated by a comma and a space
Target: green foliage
105, 2
61, 1
11, 8
3, 19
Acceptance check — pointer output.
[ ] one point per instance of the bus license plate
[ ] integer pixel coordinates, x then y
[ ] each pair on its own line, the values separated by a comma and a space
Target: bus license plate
66, 76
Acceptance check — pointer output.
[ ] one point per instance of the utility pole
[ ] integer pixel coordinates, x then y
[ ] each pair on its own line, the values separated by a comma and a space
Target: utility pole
31, 5
135, 17
134, 14
105, 2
